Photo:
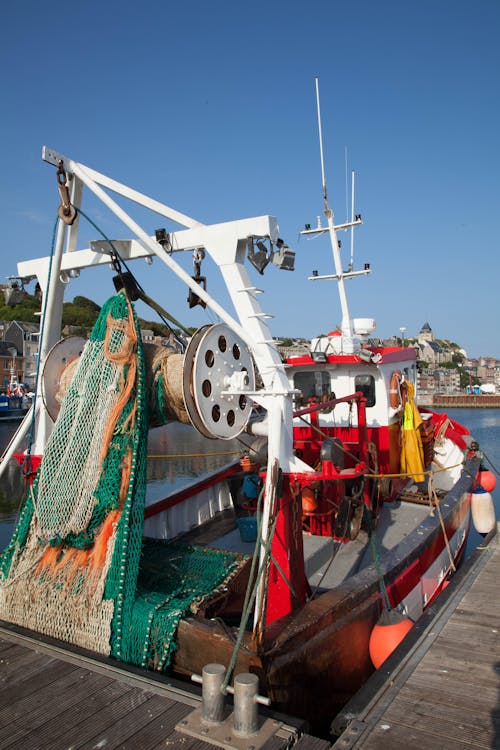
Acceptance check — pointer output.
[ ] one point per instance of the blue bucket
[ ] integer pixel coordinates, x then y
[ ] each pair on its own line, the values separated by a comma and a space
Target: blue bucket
248, 529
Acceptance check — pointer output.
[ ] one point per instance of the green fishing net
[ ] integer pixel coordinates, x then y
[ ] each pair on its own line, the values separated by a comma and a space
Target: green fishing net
71, 568
76, 567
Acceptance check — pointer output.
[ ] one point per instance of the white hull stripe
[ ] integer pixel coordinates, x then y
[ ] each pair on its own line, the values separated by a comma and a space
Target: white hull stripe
415, 602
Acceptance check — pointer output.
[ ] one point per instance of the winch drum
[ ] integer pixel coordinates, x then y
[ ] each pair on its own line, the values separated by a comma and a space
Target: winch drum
218, 370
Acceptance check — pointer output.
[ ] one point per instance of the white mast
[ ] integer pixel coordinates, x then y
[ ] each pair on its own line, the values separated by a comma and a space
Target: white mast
351, 261
346, 325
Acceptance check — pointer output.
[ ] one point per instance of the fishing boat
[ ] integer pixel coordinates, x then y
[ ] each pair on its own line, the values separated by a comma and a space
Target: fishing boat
360, 502
14, 403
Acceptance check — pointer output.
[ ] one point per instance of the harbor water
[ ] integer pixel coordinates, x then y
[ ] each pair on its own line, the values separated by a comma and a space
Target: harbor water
484, 426
179, 455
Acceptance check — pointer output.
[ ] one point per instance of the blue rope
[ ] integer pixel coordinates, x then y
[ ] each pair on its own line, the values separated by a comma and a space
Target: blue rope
82, 213
163, 315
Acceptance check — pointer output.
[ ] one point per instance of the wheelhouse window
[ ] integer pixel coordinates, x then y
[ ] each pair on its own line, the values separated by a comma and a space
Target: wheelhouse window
366, 384
311, 385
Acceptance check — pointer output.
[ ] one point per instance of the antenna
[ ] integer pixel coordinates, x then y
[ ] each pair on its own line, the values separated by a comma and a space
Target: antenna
325, 195
351, 261
346, 193
339, 274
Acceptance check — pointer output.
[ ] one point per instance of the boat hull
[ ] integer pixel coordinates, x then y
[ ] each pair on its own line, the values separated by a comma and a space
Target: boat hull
324, 645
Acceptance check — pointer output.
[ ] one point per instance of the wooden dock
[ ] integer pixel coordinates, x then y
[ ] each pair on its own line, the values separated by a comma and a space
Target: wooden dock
441, 687
55, 698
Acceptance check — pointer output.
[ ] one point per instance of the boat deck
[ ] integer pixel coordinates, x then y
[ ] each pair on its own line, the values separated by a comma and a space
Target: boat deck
327, 562
58, 698
441, 687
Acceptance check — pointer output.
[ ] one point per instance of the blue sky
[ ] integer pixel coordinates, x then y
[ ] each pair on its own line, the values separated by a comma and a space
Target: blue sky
210, 107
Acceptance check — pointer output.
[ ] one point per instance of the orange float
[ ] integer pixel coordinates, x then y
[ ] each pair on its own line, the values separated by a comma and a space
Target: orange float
387, 634
487, 480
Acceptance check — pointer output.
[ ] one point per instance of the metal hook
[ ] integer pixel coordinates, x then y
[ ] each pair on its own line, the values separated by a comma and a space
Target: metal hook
66, 211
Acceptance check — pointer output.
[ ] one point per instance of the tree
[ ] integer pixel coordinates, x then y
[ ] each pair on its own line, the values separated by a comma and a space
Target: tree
24, 311
82, 313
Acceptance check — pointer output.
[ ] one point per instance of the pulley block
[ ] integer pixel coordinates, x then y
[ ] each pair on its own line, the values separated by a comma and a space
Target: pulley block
218, 370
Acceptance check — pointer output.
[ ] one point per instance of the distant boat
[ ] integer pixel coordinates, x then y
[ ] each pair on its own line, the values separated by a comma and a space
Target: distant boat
13, 408
14, 403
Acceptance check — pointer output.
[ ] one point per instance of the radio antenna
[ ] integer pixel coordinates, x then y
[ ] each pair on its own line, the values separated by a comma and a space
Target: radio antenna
351, 261
339, 275
325, 194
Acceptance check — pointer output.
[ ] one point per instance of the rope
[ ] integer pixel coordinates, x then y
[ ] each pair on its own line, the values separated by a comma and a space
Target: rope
192, 455
376, 562
163, 314
251, 591
491, 463
430, 472
434, 503
336, 547
374, 475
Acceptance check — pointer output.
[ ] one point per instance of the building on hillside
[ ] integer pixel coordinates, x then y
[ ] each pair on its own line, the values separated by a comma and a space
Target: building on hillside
488, 371
148, 337
429, 350
435, 380
25, 339
425, 334
485, 369
13, 292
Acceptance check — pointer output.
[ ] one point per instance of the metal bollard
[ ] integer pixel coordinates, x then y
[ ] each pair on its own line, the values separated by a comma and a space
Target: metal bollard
245, 715
212, 707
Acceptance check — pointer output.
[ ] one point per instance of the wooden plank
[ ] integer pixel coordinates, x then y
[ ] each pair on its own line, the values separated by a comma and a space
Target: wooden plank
478, 648
489, 614
274, 743
444, 666
31, 680
157, 733
474, 636
454, 695
51, 703
50, 728
485, 585
308, 742
458, 725
30, 712
458, 655
128, 731
5, 646
18, 661
86, 718
176, 713
387, 736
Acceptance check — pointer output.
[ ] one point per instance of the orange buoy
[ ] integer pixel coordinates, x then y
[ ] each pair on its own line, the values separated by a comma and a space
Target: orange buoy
487, 480
387, 634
